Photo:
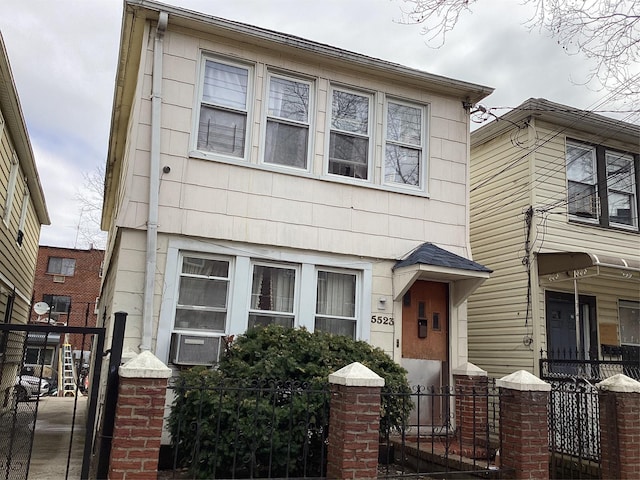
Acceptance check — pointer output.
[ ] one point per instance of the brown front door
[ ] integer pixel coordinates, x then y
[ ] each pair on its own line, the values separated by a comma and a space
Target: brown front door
425, 348
425, 321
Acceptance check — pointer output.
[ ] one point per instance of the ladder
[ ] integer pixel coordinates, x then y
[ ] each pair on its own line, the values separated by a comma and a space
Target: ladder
66, 377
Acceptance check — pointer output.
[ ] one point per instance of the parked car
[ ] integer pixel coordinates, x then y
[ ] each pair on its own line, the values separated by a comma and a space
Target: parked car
29, 387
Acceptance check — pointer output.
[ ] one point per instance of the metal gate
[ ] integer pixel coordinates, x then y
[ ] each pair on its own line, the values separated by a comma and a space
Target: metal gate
40, 371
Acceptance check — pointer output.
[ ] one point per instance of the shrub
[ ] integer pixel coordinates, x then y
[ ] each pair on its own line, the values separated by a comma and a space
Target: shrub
263, 410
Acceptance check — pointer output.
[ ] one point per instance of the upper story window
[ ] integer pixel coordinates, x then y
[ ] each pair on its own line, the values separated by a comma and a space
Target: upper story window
11, 188
601, 185
287, 124
272, 296
404, 149
61, 266
349, 136
203, 294
222, 126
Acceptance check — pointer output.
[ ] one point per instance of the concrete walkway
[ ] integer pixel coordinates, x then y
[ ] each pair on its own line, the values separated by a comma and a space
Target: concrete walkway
53, 436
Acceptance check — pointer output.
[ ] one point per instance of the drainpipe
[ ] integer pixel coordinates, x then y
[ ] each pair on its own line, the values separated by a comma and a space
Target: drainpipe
154, 183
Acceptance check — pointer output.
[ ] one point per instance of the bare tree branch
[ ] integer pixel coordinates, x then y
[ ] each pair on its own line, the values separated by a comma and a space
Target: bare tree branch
606, 31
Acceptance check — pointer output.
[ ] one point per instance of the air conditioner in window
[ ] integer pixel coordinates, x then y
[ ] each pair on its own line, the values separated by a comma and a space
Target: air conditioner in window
58, 279
188, 349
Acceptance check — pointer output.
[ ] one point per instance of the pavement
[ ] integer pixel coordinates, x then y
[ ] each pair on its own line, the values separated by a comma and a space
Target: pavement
55, 444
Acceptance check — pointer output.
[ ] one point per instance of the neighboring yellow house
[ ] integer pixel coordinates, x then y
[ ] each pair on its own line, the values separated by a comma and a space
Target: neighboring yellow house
254, 177
554, 214
22, 212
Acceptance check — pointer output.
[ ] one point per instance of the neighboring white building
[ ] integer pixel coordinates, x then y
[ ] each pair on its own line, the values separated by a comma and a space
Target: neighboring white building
255, 177
554, 213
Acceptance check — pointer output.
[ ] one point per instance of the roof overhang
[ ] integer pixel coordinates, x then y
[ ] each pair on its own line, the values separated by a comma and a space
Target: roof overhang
465, 281
579, 264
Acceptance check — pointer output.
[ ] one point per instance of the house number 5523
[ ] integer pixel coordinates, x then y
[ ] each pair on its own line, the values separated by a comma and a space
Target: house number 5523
381, 320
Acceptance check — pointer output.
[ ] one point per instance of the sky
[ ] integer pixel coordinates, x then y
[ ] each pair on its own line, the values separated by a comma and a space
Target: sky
63, 54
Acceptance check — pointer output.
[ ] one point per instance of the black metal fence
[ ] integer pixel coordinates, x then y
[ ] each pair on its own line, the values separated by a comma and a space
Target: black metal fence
433, 442
592, 366
255, 430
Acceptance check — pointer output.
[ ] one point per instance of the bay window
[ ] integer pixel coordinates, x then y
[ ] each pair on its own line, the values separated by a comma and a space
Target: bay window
222, 126
403, 153
349, 136
287, 123
202, 294
601, 185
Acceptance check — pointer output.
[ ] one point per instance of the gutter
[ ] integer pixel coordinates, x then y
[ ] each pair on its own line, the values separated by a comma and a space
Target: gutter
154, 183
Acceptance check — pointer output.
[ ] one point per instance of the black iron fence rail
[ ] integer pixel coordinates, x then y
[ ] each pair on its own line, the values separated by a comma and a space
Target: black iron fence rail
570, 364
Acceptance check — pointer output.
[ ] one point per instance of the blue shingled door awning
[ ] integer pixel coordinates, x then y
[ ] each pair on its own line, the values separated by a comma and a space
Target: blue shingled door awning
430, 262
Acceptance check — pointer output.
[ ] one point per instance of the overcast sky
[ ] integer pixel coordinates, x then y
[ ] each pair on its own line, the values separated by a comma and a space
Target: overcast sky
63, 54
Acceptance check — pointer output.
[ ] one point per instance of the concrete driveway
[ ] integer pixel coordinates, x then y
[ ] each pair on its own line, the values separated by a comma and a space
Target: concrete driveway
53, 436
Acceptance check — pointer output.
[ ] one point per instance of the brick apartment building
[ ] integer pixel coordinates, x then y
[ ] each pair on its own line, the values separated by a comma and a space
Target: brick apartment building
68, 281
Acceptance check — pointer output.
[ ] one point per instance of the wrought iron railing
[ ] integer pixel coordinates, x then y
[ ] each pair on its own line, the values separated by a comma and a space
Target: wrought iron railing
248, 430
591, 366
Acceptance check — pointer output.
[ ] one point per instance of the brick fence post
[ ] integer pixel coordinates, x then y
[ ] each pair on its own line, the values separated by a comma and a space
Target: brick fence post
472, 408
619, 398
138, 421
524, 431
354, 423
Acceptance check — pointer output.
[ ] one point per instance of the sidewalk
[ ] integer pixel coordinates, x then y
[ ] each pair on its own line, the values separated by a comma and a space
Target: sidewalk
53, 437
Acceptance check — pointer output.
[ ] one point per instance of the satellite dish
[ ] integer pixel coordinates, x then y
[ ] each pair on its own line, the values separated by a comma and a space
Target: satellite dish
41, 308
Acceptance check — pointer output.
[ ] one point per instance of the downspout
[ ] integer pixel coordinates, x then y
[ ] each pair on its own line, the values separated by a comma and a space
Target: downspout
154, 183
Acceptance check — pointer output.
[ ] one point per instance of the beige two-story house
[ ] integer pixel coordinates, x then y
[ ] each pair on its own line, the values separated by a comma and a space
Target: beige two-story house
554, 213
22, 212
254, 177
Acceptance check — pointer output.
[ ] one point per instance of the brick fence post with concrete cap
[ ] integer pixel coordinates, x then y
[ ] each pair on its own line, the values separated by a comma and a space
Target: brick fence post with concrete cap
139, 416
619, 398
524, 428
472, 408
354, 423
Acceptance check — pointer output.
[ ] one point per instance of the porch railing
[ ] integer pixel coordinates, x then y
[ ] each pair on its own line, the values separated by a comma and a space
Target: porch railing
591, 366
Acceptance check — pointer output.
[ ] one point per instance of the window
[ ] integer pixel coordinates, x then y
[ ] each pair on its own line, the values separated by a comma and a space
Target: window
336, 303
38, 355
349, 136
629, 313
11, 187
57, 303
23, 216
272, 296
601, 185
202, 295
404, 144
222, 126
621, 189
287, 124
61, 266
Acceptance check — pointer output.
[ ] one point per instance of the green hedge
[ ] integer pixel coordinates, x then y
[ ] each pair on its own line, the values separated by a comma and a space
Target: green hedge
262, 411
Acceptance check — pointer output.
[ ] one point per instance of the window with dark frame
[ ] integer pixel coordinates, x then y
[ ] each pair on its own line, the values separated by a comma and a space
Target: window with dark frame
602, 185
61, 266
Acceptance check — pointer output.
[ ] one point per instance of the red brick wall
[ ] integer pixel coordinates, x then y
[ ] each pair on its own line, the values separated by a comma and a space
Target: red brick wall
354, 425
472, 410
137, 429
524, 434
83, 287
620, 434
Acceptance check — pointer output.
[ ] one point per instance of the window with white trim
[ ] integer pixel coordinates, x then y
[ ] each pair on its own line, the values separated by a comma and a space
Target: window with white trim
203, 294
273, 291
23, 216
223, 118
336, 303
287, 122
404, 144
601, 185
349, 138
11, 188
